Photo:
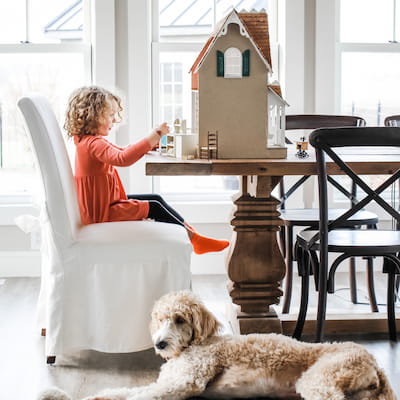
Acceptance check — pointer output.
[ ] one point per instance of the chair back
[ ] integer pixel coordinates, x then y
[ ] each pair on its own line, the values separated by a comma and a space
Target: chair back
55, 168
328, 142
392, 120
315, 121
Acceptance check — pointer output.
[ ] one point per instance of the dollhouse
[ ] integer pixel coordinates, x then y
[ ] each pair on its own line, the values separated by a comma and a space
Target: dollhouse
236, 112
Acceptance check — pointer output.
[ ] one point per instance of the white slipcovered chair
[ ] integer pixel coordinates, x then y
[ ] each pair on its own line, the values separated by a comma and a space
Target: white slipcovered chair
99, 281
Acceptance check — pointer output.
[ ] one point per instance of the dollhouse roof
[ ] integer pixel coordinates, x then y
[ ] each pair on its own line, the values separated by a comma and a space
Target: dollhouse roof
275, 89
255, 24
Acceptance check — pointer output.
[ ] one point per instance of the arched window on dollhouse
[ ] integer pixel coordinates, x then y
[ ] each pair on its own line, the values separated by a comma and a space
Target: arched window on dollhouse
233, 63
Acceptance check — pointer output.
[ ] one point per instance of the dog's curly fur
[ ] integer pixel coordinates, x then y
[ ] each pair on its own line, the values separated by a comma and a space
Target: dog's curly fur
200, 362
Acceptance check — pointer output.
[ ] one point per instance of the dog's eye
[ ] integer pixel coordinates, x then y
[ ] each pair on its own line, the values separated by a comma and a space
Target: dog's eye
372, 387
179, 320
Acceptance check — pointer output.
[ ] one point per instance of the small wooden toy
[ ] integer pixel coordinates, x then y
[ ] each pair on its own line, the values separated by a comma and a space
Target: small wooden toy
302, 147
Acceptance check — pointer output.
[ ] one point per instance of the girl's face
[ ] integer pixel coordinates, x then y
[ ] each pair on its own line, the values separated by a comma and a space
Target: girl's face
109, 119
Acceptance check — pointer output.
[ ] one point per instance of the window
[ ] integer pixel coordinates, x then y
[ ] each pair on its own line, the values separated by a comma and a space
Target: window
42, 49
368, 54
233, 63
180, 31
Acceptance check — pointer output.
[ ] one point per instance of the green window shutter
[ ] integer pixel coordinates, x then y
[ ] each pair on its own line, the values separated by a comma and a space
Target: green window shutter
246, 63
220, 63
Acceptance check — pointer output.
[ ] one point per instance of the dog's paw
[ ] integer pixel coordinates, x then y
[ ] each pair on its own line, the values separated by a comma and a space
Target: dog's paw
53, 394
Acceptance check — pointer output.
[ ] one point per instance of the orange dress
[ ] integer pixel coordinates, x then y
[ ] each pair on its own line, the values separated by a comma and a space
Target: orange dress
101, 195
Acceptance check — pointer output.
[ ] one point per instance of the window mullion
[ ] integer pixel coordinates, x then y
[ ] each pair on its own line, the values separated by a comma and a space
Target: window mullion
27, 21
394, 21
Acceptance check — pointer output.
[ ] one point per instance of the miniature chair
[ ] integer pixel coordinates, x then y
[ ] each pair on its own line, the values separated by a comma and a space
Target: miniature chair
392, 120
332, 237
99, 281
309, 217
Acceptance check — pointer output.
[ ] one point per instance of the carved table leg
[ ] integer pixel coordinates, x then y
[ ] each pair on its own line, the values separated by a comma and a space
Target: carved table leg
255, 263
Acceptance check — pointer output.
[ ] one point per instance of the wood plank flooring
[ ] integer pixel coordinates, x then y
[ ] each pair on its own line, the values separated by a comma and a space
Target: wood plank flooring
24, 372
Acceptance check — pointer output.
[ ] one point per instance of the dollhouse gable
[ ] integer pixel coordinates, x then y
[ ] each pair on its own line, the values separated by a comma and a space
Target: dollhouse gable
230, 89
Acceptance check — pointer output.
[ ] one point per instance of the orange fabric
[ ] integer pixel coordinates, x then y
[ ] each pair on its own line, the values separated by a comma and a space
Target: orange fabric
101, 195
202, 244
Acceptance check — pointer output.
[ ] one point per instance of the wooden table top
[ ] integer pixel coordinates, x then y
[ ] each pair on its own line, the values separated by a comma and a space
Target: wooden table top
366, 161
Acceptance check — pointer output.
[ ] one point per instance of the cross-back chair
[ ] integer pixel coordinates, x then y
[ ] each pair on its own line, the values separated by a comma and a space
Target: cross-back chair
300, 217
98, 282
331, 237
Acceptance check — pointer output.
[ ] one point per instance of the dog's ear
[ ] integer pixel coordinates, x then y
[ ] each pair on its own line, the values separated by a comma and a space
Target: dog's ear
154, 323
204, 323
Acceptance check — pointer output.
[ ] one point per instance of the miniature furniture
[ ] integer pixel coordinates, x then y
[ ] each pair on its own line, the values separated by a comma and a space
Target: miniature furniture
300, 217
331, 237
392, 120
99, 281
211, 150
255, 265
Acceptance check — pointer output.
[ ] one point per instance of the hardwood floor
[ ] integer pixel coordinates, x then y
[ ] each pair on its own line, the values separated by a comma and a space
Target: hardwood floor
24, 372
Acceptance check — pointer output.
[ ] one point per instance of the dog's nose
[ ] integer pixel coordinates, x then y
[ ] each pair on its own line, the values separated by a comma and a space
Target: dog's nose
161, 345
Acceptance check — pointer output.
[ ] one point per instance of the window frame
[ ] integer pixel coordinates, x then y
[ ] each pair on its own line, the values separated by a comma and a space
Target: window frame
328, 59
84, 48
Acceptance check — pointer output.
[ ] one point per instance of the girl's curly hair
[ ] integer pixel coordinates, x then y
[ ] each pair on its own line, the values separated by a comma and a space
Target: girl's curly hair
88, 107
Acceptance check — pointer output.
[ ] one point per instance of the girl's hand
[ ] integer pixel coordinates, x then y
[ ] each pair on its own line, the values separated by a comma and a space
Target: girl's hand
157, 134
162, 129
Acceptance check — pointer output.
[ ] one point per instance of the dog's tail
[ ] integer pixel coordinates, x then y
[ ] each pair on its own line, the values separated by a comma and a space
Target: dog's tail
386, 392
53, 394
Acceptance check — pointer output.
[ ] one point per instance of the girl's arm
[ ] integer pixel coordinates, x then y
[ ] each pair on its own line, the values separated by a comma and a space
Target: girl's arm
104, 151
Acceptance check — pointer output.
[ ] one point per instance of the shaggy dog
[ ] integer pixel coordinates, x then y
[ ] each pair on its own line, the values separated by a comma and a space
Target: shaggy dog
199, 362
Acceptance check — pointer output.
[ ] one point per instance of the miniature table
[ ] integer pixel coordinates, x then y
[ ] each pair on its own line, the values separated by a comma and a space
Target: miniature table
255, 264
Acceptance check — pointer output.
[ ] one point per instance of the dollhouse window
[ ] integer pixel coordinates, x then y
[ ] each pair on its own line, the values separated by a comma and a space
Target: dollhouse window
233, 63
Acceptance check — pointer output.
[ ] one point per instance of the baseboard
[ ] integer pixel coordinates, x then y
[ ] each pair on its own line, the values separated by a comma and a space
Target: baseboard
19, 263
341, 324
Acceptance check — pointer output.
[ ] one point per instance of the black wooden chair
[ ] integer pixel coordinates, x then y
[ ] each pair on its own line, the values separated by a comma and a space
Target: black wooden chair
392, 120
301, 217
331, 237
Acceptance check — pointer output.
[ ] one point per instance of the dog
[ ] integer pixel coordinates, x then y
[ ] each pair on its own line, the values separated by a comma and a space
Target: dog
199, 362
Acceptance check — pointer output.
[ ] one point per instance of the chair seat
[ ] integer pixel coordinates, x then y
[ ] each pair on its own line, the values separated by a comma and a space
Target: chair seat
310, 217
356, 242
132, 240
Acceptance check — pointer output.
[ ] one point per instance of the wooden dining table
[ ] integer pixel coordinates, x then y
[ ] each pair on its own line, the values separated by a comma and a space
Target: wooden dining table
255, 265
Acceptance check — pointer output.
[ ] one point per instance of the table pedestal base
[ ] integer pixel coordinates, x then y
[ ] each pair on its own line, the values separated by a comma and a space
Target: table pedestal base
255, 264
244, 323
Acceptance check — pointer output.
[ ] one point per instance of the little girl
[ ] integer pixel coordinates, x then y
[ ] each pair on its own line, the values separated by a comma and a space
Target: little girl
90, 116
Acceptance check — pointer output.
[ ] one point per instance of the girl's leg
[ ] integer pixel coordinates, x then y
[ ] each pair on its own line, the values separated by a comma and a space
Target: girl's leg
158, 212
162, 212
158, 198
